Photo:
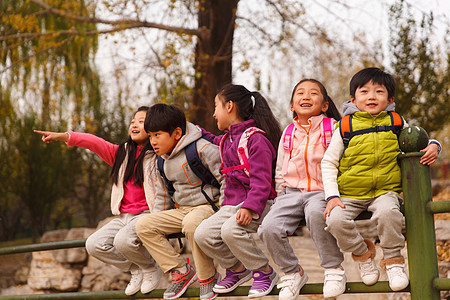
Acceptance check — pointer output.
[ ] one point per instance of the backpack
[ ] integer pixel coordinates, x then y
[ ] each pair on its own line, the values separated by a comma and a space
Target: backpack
346, 130
327, 132
199, 169
242, 150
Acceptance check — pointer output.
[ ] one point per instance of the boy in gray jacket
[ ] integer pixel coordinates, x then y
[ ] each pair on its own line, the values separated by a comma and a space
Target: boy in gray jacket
185, 207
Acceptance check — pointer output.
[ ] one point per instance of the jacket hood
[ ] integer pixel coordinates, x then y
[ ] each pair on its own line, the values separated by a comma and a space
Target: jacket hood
350, 108
192, 134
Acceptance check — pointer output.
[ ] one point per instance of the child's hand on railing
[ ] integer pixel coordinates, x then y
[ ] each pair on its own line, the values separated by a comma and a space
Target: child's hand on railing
431, 154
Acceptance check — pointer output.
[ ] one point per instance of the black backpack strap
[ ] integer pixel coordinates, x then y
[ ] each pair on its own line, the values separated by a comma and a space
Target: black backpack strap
201, 171
167, 183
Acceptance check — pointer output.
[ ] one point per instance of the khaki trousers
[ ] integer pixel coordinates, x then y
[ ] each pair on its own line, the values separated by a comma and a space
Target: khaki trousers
153, 229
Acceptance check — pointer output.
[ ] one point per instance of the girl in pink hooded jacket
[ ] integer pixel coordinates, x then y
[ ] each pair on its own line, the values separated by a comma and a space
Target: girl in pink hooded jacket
299, 187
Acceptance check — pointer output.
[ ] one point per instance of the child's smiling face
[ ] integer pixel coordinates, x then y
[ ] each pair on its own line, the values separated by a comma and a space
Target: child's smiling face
308, 101
372, 98
136, 129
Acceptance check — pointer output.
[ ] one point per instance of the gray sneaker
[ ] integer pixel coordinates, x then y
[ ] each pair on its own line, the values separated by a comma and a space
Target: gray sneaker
180, 282
206, 287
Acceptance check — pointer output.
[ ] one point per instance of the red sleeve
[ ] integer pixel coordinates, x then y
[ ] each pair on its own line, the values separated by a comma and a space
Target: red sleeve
106, 150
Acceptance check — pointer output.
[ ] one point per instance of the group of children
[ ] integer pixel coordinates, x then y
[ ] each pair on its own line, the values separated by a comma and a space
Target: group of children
261, 180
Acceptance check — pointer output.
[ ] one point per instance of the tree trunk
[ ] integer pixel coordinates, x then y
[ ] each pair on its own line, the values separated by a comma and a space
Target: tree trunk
213, 58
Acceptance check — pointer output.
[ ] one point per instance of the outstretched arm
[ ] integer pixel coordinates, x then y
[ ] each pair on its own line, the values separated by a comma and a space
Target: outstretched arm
104, 149
48, 136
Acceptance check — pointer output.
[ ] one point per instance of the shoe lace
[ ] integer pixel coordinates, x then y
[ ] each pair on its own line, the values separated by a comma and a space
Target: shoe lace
134, 278
395, 270
148, 276
367, 266
177, 277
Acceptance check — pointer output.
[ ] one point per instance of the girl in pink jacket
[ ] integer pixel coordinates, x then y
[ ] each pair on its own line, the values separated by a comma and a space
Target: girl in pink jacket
299, 187
133, 191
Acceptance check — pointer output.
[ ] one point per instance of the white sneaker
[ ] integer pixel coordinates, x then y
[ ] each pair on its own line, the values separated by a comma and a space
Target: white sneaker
334, 282
369, 271
397, 277
150, 279
291, 284
135, 283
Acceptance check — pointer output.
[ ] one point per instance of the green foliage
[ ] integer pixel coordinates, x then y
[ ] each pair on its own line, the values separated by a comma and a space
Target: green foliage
49, 82
422, 76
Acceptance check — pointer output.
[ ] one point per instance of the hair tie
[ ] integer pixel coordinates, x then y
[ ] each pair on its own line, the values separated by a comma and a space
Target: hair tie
253, 101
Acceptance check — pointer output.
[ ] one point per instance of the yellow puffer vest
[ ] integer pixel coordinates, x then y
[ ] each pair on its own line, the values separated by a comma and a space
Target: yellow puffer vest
369, 167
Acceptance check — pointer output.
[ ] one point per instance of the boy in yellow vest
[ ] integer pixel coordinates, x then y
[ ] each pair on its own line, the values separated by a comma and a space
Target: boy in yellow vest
360, 172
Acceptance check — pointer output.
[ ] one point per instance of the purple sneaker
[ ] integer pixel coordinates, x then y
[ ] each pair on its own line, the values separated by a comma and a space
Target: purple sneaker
232, 280
263, 283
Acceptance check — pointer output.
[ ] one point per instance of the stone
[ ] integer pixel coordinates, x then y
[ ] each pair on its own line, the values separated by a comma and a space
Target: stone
442, 230
74, 255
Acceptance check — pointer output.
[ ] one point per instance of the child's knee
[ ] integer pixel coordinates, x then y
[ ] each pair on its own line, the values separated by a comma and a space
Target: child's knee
267, 230
145, 226
228, 231
387, 215
91, 246
200, 234
334, 220
189, 226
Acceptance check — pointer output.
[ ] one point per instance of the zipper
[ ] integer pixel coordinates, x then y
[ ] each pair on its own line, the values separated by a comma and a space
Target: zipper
376, 160
306, 156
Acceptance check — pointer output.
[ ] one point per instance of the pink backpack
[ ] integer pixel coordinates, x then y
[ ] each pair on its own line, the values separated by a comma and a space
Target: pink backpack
327, 132
242, 150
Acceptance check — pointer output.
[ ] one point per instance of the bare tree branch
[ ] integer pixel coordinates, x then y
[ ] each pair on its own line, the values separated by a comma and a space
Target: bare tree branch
126, 23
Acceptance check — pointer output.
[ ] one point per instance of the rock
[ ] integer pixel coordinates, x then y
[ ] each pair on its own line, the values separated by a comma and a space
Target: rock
98, 276
47, 273
54, 235
74, 255
442, 230
21, 275
19, 290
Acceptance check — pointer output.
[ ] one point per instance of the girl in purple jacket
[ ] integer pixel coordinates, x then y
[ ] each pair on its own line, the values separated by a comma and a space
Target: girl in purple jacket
252, 131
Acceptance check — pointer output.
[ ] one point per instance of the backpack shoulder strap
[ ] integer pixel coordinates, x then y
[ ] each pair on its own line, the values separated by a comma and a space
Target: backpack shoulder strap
287, 146
202, 172
327, 131
345, 129
397, 122
167, 183
243, 151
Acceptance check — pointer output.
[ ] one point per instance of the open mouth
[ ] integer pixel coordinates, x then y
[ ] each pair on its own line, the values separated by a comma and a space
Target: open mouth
305, 105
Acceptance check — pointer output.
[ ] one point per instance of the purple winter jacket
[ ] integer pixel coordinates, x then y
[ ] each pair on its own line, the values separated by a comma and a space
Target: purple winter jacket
253, 190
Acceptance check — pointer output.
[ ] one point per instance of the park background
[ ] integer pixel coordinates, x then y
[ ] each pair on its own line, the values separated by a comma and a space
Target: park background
87, 65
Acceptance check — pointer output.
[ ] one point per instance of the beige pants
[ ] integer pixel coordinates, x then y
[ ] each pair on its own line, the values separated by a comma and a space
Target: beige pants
153, 229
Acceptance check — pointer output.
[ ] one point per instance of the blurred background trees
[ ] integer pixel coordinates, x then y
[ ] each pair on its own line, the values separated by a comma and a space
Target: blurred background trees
55, 76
